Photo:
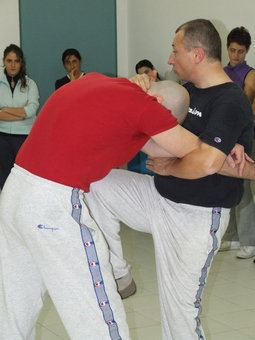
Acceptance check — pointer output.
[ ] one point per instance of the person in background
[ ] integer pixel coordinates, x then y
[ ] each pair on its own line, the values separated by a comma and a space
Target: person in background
241, 229
145, 66
138, 163
72, 61
19, 101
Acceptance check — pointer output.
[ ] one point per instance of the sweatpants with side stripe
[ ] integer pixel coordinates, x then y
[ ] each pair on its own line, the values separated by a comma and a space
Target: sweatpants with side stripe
48, 241
185, 239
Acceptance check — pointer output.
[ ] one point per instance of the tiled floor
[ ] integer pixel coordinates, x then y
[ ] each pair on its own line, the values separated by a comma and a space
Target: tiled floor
228, 300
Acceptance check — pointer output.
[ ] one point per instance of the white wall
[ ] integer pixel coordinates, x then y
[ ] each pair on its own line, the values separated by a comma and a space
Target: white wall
146, 28
9, 25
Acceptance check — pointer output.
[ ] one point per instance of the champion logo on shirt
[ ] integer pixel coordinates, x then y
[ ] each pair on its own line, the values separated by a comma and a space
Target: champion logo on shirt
217, 139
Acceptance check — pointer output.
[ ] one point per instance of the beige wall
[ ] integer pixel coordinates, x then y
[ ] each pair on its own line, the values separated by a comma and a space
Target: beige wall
9, 25
146, 28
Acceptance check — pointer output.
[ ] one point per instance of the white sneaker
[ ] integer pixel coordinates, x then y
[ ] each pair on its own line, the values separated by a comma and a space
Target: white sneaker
246, 252
229, 245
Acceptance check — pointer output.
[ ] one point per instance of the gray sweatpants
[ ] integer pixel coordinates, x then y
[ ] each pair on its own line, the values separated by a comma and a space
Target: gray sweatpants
185, 240
48, 241
241, 226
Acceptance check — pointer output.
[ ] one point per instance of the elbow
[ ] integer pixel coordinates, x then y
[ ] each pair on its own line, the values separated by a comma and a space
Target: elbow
31, 110
211, 168
210, 171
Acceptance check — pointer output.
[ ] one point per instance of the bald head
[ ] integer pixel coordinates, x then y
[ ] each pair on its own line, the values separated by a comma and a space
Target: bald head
173, 96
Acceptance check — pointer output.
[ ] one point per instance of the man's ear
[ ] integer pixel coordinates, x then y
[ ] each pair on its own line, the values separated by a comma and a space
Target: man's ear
199, 54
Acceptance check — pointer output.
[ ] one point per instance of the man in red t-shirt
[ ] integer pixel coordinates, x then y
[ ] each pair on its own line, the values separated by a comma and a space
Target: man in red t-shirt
48, 240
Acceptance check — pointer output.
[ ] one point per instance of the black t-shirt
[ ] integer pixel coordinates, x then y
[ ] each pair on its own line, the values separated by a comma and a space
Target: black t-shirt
221, 116
62, 81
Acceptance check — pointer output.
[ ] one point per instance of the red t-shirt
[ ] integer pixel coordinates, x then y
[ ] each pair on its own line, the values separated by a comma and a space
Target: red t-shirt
90, 126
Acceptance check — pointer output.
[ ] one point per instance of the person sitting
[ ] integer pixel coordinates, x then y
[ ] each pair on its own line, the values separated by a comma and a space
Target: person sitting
72, 61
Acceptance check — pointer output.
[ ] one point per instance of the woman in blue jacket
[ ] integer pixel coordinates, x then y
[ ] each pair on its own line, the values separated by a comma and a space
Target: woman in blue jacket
19, 101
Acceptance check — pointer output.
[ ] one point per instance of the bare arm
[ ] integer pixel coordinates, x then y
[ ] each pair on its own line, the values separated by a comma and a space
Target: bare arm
248, 171
162, 167
203, 161
12, 113
152, 149
249, 85
177, 141
143, 80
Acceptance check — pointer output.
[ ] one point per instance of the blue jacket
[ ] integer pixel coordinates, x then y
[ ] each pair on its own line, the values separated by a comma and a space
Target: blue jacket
21, 97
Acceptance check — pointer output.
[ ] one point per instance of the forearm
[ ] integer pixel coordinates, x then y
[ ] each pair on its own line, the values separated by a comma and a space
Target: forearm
248, 171
185, 168
199, 163
15, 113
152, 149
6, 116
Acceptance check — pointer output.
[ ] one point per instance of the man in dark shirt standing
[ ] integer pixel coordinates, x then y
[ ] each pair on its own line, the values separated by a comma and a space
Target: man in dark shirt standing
187, 209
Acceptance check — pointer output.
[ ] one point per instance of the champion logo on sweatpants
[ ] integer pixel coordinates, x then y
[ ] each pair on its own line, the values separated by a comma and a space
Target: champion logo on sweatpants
42, 226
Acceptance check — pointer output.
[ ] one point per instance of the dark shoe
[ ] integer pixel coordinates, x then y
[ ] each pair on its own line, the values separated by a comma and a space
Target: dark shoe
126, 286
128, 291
